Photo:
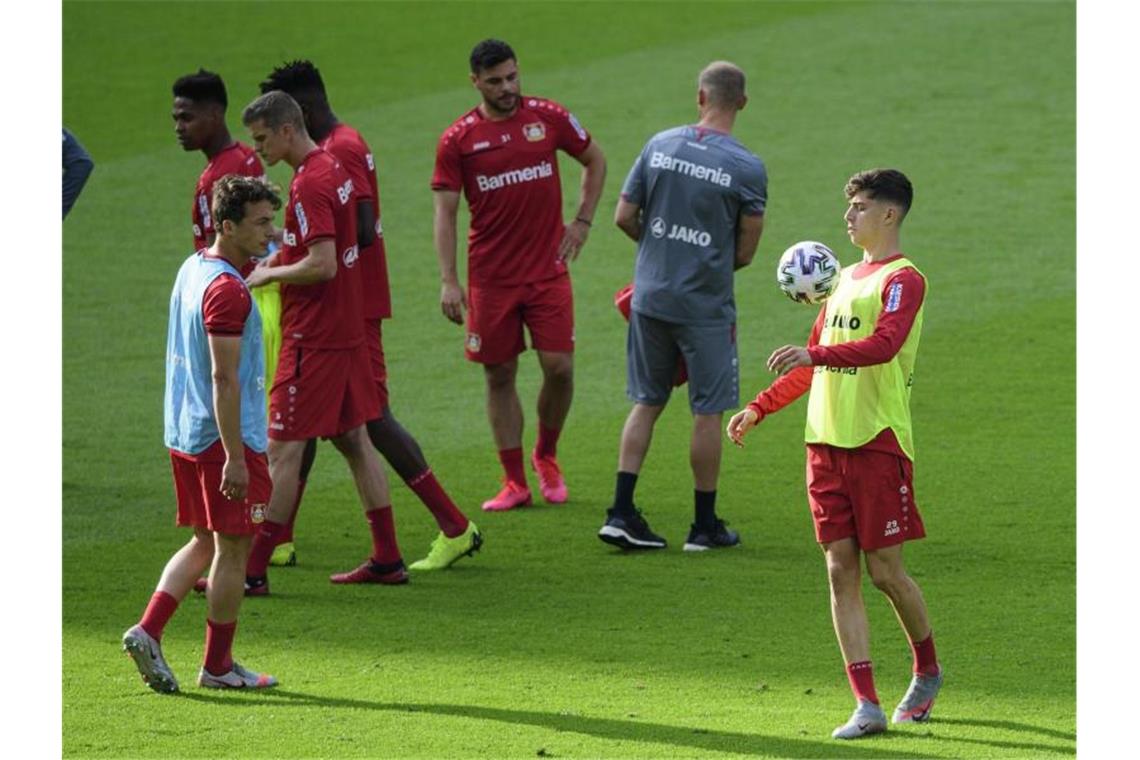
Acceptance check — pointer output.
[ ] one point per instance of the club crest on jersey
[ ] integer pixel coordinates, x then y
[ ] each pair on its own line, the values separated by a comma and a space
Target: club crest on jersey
534, 132
257, 513
474, 343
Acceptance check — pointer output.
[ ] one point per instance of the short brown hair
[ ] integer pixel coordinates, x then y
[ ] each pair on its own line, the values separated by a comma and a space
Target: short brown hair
889, 185
232, 192
274, 109
723, 83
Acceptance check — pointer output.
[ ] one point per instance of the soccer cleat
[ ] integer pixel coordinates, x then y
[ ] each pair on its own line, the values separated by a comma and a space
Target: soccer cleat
918, 701
447, 551
550, 480
253, 586
147, 654
718, 537
867, 719
284, 555
237, 678
629, 531
373, 572
513, 495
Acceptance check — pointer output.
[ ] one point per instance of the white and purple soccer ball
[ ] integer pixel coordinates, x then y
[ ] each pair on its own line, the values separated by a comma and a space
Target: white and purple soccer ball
808, 272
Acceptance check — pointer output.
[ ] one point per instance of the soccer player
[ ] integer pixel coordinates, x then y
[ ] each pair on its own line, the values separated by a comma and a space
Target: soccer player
216, 433
502, 156
859, 367
458, 536
322, 387
77, 167
199, 114
694, 201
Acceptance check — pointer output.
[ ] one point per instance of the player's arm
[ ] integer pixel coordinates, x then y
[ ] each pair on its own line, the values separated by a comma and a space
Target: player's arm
452, 301
319, 265
627, 216
225, 354
365, 222
748, 230
783, 391
77, 167
593, 178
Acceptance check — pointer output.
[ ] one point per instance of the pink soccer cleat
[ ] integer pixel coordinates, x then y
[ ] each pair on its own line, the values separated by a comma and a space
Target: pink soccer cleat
550, 480
513, 495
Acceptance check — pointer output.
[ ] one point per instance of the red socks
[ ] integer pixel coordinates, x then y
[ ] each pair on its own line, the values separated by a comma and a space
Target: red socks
219, 646
385, 551
925, 660
158, 613
512, 460
286, 536
862, 681
264, 542
547, 441
451, 521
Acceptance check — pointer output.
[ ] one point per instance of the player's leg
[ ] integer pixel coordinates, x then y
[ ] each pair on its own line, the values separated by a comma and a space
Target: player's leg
284, 469
708, 531
285, 553
385, 564
506, 417
548, 312
651, 356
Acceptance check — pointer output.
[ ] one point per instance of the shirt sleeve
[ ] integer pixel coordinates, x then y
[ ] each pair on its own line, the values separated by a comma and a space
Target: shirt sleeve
448, 173
787, 388
633, 190
572, 136
315, 210
903, 294
754, 189
225, 306
77, 167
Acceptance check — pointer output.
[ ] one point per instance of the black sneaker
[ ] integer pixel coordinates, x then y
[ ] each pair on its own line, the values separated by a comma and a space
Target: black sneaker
717, 537
629, 530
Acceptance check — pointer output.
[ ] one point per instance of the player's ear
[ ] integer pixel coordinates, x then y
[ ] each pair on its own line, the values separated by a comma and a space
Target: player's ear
474, 79
743, 102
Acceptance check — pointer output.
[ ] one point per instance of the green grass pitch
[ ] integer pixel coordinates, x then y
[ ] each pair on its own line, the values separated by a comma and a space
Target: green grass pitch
548, 643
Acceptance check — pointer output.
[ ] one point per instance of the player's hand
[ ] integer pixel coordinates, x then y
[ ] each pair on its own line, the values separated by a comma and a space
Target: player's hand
261, 275
741, 423
452, 301
786, 358
573, 238
235, 479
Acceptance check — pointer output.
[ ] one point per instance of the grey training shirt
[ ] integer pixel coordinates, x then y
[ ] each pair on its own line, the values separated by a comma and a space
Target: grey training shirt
692, 184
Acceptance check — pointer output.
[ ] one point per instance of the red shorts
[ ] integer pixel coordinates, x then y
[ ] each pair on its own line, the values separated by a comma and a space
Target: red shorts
202, 505
374, 336
495, 319
868, 495
321, 393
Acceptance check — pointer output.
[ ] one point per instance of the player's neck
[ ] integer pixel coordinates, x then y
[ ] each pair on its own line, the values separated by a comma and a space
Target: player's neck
220, 142
719, 121
322, 125
222, 249
300, 151
881, 251
494, 114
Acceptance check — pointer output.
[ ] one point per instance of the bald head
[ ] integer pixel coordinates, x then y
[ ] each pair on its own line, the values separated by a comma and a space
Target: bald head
723, 86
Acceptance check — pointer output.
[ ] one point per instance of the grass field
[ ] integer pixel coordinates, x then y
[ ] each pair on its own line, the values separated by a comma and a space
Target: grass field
549, 643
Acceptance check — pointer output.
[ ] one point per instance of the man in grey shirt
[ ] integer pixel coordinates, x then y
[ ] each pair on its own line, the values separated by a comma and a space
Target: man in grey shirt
694, 202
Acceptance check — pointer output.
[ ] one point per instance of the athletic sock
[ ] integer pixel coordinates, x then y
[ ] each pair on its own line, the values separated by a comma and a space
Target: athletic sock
862, 681
264, 541
382, 523
547, 443
286, 536
623, 491
219, 647
450, 520
704, 509
158, 612
925, 659
512, 460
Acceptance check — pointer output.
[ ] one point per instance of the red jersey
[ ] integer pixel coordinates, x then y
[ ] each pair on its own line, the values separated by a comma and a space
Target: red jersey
509, 172
903, 293
237, 158
322, 205
346, 144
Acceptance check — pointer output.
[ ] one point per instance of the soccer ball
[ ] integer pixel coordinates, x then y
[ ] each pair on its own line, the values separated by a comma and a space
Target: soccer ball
808, 272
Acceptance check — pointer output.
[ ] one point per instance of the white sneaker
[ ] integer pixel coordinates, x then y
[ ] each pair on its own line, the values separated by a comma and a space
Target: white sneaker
867, 719
237, 678
147, 654
918, 701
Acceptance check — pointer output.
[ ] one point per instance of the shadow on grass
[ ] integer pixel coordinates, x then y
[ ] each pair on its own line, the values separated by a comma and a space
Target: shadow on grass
1009, 725
603, 728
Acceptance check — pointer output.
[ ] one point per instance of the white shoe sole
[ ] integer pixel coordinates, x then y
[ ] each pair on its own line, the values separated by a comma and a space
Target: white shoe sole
619, 537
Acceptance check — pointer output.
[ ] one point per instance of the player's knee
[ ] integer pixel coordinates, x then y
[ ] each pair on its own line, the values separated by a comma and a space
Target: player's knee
500, 376
233, 549
888, 577
559, 370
